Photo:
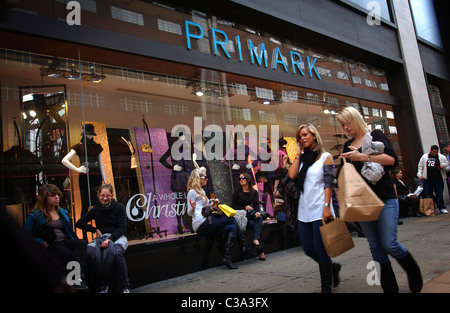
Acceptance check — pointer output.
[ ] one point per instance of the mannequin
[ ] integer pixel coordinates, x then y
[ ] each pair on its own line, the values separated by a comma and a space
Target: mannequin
181, 171
239, 166
199, 160
90, 170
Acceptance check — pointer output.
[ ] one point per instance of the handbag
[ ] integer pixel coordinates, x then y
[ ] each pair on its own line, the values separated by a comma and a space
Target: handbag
426, 206
229, 211
357, 201
208, 210
336, 237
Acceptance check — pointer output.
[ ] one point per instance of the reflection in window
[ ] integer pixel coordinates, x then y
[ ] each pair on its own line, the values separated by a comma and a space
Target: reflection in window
242, 114
367, 6
291, 119
169, 27
267, 117
425, 21
127, 16
175, 109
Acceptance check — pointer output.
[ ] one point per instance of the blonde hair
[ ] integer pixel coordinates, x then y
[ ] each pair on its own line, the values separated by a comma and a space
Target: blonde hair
351, 116
194, 184
313, 130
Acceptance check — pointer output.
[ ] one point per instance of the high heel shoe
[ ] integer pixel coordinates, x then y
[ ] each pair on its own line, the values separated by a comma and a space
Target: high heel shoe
257, 246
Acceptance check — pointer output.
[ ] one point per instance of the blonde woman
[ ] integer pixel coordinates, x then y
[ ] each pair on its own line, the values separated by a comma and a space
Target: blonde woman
381, 234
313, 168
216, 224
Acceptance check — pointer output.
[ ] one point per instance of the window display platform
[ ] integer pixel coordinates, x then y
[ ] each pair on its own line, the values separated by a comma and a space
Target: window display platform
157, 259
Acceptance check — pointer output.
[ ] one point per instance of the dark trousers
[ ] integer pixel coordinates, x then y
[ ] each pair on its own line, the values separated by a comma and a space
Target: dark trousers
69, 250
220, 225
436, 186
255, 224
117, 280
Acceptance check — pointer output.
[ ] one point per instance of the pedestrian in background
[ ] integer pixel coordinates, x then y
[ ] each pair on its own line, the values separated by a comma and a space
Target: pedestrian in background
382, 233
432, 169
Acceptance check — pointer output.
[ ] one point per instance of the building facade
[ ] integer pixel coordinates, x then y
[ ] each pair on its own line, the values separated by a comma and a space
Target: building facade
143, 73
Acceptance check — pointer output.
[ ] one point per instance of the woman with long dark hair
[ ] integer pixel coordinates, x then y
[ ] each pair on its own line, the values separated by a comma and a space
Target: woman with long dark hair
51, 226
247, 198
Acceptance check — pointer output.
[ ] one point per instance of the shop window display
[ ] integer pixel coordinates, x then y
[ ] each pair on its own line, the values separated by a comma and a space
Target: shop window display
137, 117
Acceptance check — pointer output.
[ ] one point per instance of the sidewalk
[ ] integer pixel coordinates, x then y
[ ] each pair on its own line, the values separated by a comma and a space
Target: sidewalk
291, 271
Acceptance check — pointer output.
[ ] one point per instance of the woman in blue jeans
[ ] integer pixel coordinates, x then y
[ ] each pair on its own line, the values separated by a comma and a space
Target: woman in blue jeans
382, 233
313, 169
247, 198
215, 224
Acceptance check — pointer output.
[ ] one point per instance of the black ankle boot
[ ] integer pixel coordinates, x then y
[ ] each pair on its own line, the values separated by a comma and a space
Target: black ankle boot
336, 268
326, 273
228, 249
413, 272
387, 278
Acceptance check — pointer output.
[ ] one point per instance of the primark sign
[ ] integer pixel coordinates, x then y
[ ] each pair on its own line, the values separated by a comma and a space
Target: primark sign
256, 53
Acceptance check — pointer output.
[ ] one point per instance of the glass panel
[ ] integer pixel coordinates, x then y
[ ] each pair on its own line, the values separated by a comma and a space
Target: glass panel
368, 5
424, 17
138, 116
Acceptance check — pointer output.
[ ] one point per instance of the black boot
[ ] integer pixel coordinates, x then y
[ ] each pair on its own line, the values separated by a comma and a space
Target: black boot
229, 244
413, 272
387, 278
243, 244
336, 268
326, 273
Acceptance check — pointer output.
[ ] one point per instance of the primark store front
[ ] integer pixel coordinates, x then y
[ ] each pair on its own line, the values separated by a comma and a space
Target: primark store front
152, 78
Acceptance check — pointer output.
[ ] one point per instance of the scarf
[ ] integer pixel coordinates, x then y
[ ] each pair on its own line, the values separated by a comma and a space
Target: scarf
307, 159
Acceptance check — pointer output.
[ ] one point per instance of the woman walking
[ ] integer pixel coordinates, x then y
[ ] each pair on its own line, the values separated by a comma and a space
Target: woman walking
314, 170
381, 234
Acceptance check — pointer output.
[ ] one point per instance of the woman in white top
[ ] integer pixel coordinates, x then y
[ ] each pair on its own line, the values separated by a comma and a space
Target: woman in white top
215, 224
313, 170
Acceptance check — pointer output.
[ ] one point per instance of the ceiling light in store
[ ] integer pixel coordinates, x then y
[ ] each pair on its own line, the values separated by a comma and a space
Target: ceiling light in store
52, 69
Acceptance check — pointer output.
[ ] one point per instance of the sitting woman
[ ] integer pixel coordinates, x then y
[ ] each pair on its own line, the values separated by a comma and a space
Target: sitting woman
405, 197
216, 224
110, 227
50, 226
247, 198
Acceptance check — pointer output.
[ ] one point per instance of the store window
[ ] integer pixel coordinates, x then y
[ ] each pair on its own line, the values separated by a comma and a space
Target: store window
137, 117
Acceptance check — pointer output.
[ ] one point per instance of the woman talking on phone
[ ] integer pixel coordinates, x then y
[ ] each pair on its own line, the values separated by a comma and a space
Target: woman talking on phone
314, 170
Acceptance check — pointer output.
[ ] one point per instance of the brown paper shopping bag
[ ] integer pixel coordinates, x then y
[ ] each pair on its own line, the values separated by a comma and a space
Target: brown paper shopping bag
357, 201
336, 237
426, 206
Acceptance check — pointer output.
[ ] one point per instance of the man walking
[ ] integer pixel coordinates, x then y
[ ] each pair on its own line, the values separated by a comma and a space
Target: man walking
431, 169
